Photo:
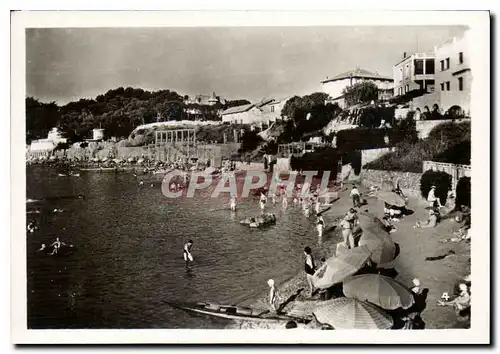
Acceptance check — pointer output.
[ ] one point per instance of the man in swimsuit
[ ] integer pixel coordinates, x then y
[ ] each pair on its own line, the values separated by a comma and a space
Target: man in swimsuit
188, 257
309, 268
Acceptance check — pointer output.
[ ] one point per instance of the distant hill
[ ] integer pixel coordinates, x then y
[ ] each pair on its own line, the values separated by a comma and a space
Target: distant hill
118, 112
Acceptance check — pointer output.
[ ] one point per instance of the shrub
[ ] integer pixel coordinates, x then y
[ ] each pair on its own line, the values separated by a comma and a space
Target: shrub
319, 160
462, 193
440, 179
250, 141
458, 154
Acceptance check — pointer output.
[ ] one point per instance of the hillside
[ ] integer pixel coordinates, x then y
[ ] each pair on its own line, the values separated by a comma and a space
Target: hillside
448, 142
117, 111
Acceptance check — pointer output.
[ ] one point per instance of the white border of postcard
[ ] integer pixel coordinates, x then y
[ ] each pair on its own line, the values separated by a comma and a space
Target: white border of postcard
479, 22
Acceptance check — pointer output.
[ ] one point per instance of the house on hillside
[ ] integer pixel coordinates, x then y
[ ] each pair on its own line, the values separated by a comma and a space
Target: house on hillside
260, 113
334, 86
244, 114
414, 72
43, 147
194, 104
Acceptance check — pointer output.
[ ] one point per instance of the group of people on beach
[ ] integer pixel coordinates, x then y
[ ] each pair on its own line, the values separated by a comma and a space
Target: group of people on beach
351, 230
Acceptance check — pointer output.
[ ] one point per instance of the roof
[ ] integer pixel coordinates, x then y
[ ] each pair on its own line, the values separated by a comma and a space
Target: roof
359, 73
264, 101
238, 109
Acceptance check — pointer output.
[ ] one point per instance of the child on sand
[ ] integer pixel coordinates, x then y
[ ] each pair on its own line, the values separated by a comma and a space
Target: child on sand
431, 221
461, 302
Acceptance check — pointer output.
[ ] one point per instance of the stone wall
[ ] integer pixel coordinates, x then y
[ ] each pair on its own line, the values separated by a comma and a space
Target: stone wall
408, 181
251, 166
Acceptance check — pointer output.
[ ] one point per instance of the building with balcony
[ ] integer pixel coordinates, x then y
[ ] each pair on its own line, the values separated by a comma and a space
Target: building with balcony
453, 77
453, 73
414, 72
334, 86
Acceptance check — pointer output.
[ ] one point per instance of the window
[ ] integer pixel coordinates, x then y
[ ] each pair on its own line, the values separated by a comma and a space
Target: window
429, 67
407, 74
419, 67
442, 86
460, 58
460, 84
272, 108
447, 63
442, 65
447, 86
407, 88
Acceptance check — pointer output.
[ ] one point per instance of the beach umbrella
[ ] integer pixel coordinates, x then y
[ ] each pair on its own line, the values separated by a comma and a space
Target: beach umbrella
391, 198
348, 313
339, 267
379, 290
381, 246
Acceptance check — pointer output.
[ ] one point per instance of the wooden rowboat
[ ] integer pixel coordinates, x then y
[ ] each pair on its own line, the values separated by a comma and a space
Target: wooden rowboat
233, 312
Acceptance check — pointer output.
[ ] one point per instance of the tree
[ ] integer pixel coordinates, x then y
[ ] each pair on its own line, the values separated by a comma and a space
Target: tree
360, 92
307, 114
40, 118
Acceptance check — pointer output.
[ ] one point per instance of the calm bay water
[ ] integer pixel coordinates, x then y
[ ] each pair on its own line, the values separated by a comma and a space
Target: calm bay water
127, 260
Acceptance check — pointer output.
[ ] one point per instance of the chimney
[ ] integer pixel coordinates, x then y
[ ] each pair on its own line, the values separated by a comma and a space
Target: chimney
404, 55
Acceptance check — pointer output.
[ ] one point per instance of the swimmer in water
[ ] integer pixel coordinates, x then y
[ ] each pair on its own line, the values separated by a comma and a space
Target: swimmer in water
188, 257
42, 248
141, 183
57, 210
31, 227
57, 245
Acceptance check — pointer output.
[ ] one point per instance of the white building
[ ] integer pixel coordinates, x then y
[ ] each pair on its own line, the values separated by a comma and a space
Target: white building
53, 138
265, 112
453, 78
334, 86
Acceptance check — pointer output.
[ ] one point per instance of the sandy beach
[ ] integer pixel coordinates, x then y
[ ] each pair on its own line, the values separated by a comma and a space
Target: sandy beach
415, 245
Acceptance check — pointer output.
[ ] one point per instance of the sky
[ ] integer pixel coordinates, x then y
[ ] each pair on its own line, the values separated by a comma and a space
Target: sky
64, 65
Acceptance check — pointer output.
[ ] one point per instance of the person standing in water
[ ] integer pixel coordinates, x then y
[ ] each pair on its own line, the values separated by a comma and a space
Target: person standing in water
232, 203
273, 296
263, 200
346, 227
310, 268
188, 257
320, 225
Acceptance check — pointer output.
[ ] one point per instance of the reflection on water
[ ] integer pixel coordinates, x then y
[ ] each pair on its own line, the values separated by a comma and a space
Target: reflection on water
127, 261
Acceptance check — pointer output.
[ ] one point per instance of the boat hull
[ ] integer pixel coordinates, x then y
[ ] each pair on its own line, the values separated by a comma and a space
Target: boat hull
201, 309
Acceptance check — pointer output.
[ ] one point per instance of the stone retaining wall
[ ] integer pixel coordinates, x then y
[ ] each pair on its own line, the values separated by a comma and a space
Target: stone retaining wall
408, 181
